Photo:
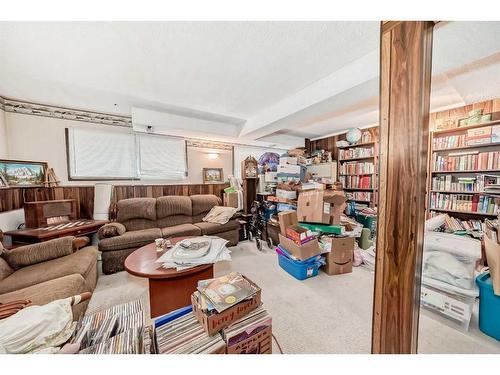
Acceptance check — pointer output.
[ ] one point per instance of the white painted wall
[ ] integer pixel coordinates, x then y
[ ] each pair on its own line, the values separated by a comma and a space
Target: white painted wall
198, 159
3, 136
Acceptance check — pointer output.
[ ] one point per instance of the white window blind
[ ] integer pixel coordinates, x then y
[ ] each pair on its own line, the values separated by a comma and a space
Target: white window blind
162, 158
98, 154
242, 152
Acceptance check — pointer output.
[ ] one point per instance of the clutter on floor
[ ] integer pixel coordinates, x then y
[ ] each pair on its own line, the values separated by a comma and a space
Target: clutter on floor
226, 316
195, 251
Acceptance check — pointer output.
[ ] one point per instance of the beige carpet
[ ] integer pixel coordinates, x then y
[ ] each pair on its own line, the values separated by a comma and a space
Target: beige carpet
324, 314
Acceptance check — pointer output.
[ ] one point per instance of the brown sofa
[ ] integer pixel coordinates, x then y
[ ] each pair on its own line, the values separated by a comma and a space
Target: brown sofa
48, 271
145, 219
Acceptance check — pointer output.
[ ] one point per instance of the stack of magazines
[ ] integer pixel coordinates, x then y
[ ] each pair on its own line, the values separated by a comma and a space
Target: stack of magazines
219, 294
193, 252
185, 335
120, 329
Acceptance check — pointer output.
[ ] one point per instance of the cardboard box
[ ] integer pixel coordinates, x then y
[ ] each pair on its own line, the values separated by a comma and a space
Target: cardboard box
288, 160
298, 234
258, 343
292, 172
301, 252
339, 259
231, 199
286, 194
287, 218
271, 177
212, 324
321, 206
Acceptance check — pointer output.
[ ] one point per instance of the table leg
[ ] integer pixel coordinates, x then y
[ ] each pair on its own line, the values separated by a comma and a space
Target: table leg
166, 295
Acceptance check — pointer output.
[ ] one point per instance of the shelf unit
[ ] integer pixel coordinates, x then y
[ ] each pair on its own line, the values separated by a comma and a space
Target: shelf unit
463, 148
356, 193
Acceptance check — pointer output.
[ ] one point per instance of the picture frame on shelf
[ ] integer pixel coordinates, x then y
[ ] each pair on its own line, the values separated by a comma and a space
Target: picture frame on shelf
19, 173
213, 175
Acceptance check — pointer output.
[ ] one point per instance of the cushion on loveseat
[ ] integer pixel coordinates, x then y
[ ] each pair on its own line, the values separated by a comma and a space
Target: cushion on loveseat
137, 213
202, 204
129, 240
173, 210
80, 262
213, 228
40, 252
181, 230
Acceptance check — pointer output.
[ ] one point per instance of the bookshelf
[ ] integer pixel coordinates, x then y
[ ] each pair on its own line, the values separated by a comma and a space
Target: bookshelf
357, 166
462, 160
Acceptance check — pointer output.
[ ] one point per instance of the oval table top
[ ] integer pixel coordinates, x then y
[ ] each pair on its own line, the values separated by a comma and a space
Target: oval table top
141, 263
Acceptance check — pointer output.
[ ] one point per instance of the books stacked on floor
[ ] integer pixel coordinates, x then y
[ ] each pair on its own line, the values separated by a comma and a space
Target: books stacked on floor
226, 316
356, 168
120, 329
467, 161
452, 224
356, 182
464, 203
452, 141
357, 152
194, 252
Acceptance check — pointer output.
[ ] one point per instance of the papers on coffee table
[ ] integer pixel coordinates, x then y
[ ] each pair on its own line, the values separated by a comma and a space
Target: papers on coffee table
195, 251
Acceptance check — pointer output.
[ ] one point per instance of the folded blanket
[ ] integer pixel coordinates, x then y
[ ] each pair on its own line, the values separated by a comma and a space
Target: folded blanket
220, 214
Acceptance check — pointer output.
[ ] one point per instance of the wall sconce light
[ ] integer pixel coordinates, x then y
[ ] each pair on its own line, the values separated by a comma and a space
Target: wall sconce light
212, 155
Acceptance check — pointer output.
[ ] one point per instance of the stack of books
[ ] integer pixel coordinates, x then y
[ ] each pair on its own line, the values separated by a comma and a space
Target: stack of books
452, 224
358, 152
356, 182
359, 196
356, 168
452, 141
468, 161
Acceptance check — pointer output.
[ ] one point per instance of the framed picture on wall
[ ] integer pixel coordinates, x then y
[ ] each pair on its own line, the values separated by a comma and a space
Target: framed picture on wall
22, 173
212, 175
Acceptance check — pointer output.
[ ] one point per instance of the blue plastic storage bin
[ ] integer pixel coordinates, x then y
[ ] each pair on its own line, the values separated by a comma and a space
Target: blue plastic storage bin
489, 307
300, 269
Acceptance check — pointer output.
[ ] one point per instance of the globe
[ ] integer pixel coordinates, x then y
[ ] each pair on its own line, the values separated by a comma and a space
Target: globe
353, 135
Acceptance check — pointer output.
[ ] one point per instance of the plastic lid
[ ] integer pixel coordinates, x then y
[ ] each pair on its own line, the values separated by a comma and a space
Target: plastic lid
484, 281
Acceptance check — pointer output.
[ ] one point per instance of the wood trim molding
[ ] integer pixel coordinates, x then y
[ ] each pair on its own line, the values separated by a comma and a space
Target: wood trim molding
405, 77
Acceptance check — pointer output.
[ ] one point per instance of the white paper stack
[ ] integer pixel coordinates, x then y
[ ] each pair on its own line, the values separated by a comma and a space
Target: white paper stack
202, 250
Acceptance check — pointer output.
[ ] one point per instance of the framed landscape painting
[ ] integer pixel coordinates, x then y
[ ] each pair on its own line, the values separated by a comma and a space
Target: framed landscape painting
212, 175
22, 173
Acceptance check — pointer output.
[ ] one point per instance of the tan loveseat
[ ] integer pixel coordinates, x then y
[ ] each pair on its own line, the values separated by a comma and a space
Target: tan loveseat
48, 271
142, 220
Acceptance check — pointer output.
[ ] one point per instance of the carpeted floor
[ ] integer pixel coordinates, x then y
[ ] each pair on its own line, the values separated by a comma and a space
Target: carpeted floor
324, 314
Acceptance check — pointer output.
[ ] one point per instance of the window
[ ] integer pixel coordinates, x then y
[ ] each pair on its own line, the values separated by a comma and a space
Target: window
162, 158
242, 152
101, 155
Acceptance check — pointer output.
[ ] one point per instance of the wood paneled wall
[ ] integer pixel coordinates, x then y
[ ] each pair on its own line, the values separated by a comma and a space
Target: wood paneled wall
14, 198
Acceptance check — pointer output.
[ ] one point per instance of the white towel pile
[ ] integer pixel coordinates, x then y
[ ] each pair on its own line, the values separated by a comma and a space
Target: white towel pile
202, 250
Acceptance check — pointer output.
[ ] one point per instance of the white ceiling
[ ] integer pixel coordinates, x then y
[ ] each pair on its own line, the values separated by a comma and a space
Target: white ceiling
273, 82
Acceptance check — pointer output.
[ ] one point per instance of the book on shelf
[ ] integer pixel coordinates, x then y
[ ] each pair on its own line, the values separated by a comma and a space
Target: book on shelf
452, 183
359, 152
356, 182
359, 196
464, 203
468, 161
452, 141
453, 224
356, 168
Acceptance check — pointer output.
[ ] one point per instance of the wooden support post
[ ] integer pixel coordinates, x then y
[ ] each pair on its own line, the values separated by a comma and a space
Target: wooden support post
405, 78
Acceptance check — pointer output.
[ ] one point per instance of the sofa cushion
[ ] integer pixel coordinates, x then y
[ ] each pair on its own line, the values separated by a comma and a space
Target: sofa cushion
81, 262
5, 269
171, 205
111, 230
131, 239
49, 291
203, 203
213, 228
40, 252
137, 213
181, 230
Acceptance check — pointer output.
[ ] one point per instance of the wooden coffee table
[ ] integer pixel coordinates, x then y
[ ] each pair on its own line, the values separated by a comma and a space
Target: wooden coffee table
168, 289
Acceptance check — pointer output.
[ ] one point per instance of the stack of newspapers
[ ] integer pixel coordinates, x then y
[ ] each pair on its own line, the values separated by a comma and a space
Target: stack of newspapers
195, 251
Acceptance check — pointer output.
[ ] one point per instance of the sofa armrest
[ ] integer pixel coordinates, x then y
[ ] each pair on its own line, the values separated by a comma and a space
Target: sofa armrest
111, 230
39, 252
